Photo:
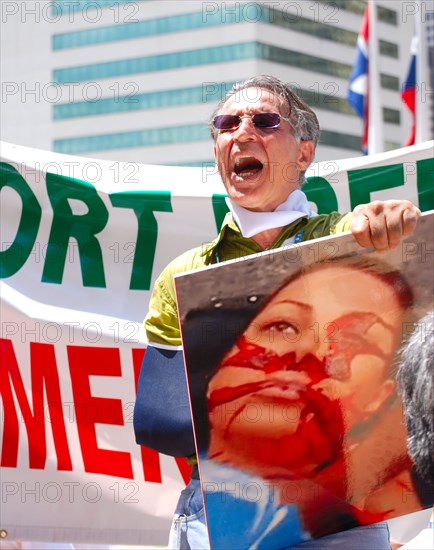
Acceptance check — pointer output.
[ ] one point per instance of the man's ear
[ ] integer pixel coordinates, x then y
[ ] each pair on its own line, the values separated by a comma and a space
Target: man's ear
306, 151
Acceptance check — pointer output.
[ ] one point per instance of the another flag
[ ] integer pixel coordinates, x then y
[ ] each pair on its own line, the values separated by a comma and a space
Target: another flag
408, 91
357, 95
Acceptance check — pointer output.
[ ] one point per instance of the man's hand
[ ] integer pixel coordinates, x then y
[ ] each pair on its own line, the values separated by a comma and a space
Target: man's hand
383, 224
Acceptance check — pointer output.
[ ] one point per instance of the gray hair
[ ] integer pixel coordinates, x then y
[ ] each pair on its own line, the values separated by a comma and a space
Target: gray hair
416, 382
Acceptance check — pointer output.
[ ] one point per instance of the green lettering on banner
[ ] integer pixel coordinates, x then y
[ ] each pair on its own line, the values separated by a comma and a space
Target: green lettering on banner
14, 257
319, 191
425, 184
365, 181
144, 204
220, 209
82, 227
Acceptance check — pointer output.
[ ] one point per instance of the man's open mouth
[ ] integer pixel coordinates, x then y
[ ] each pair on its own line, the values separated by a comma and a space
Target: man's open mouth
246, 166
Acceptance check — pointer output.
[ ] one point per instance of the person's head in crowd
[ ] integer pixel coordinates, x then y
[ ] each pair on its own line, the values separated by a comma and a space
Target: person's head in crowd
416, 383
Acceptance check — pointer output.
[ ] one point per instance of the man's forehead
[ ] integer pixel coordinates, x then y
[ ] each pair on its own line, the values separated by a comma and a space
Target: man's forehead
251, 98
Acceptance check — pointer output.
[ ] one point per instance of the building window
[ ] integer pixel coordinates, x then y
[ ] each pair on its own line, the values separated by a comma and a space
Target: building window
389, 82
193, 164
389, 48
356, 6
185, 96
343, 141
198, 20
205, 56
140, 29
304, 61
66, 7
165, 136
391, 115
162, 62
143, 101
387, 16
127, 140
313, 28
327, 101
391, 145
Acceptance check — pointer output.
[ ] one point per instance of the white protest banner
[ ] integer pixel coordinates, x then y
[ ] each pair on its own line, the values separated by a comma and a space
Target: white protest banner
82, 242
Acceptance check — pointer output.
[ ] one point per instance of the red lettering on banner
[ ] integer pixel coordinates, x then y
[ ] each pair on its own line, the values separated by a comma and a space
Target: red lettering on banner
43, 374
85, 361
184, 468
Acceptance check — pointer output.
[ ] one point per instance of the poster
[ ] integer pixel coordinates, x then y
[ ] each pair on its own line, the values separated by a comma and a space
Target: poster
291, 359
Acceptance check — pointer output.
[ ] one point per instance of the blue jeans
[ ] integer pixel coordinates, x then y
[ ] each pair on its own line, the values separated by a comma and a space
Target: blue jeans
189, 530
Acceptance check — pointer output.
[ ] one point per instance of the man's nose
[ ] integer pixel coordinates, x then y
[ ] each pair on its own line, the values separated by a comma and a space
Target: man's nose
246, 130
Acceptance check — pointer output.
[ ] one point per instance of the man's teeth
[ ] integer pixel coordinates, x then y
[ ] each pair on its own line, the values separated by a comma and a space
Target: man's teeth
246, 165
240, 158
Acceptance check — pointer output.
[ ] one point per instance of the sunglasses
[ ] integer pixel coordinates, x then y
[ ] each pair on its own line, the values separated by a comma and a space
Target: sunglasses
260, 120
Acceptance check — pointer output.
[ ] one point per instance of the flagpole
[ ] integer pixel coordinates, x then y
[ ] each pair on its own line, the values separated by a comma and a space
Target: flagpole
375, 124
424, 99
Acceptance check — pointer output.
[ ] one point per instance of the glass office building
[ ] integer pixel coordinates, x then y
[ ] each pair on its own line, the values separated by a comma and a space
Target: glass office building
137, 80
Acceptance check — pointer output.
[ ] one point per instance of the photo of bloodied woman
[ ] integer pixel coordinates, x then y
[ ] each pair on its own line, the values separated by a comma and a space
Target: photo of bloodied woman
291, 369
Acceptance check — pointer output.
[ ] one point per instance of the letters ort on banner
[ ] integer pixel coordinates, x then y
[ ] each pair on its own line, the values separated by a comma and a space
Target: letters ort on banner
82, 242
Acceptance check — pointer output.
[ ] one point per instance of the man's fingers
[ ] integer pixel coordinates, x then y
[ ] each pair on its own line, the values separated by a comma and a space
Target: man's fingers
378, 226
384, 224
399, 223
410, 218
369, 226
360, 229
394, 231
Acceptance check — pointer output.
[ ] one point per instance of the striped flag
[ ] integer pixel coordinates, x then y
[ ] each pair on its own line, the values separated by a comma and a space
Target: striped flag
408, 91
357, 95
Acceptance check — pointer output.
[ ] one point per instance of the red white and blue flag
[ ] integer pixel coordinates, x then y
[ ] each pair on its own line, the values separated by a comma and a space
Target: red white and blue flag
408, 91
357, 95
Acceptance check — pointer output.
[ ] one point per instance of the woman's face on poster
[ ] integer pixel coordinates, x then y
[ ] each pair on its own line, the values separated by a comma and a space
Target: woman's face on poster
308, 370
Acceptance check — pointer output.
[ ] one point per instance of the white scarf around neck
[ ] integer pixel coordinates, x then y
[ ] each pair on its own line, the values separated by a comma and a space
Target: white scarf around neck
251, 223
